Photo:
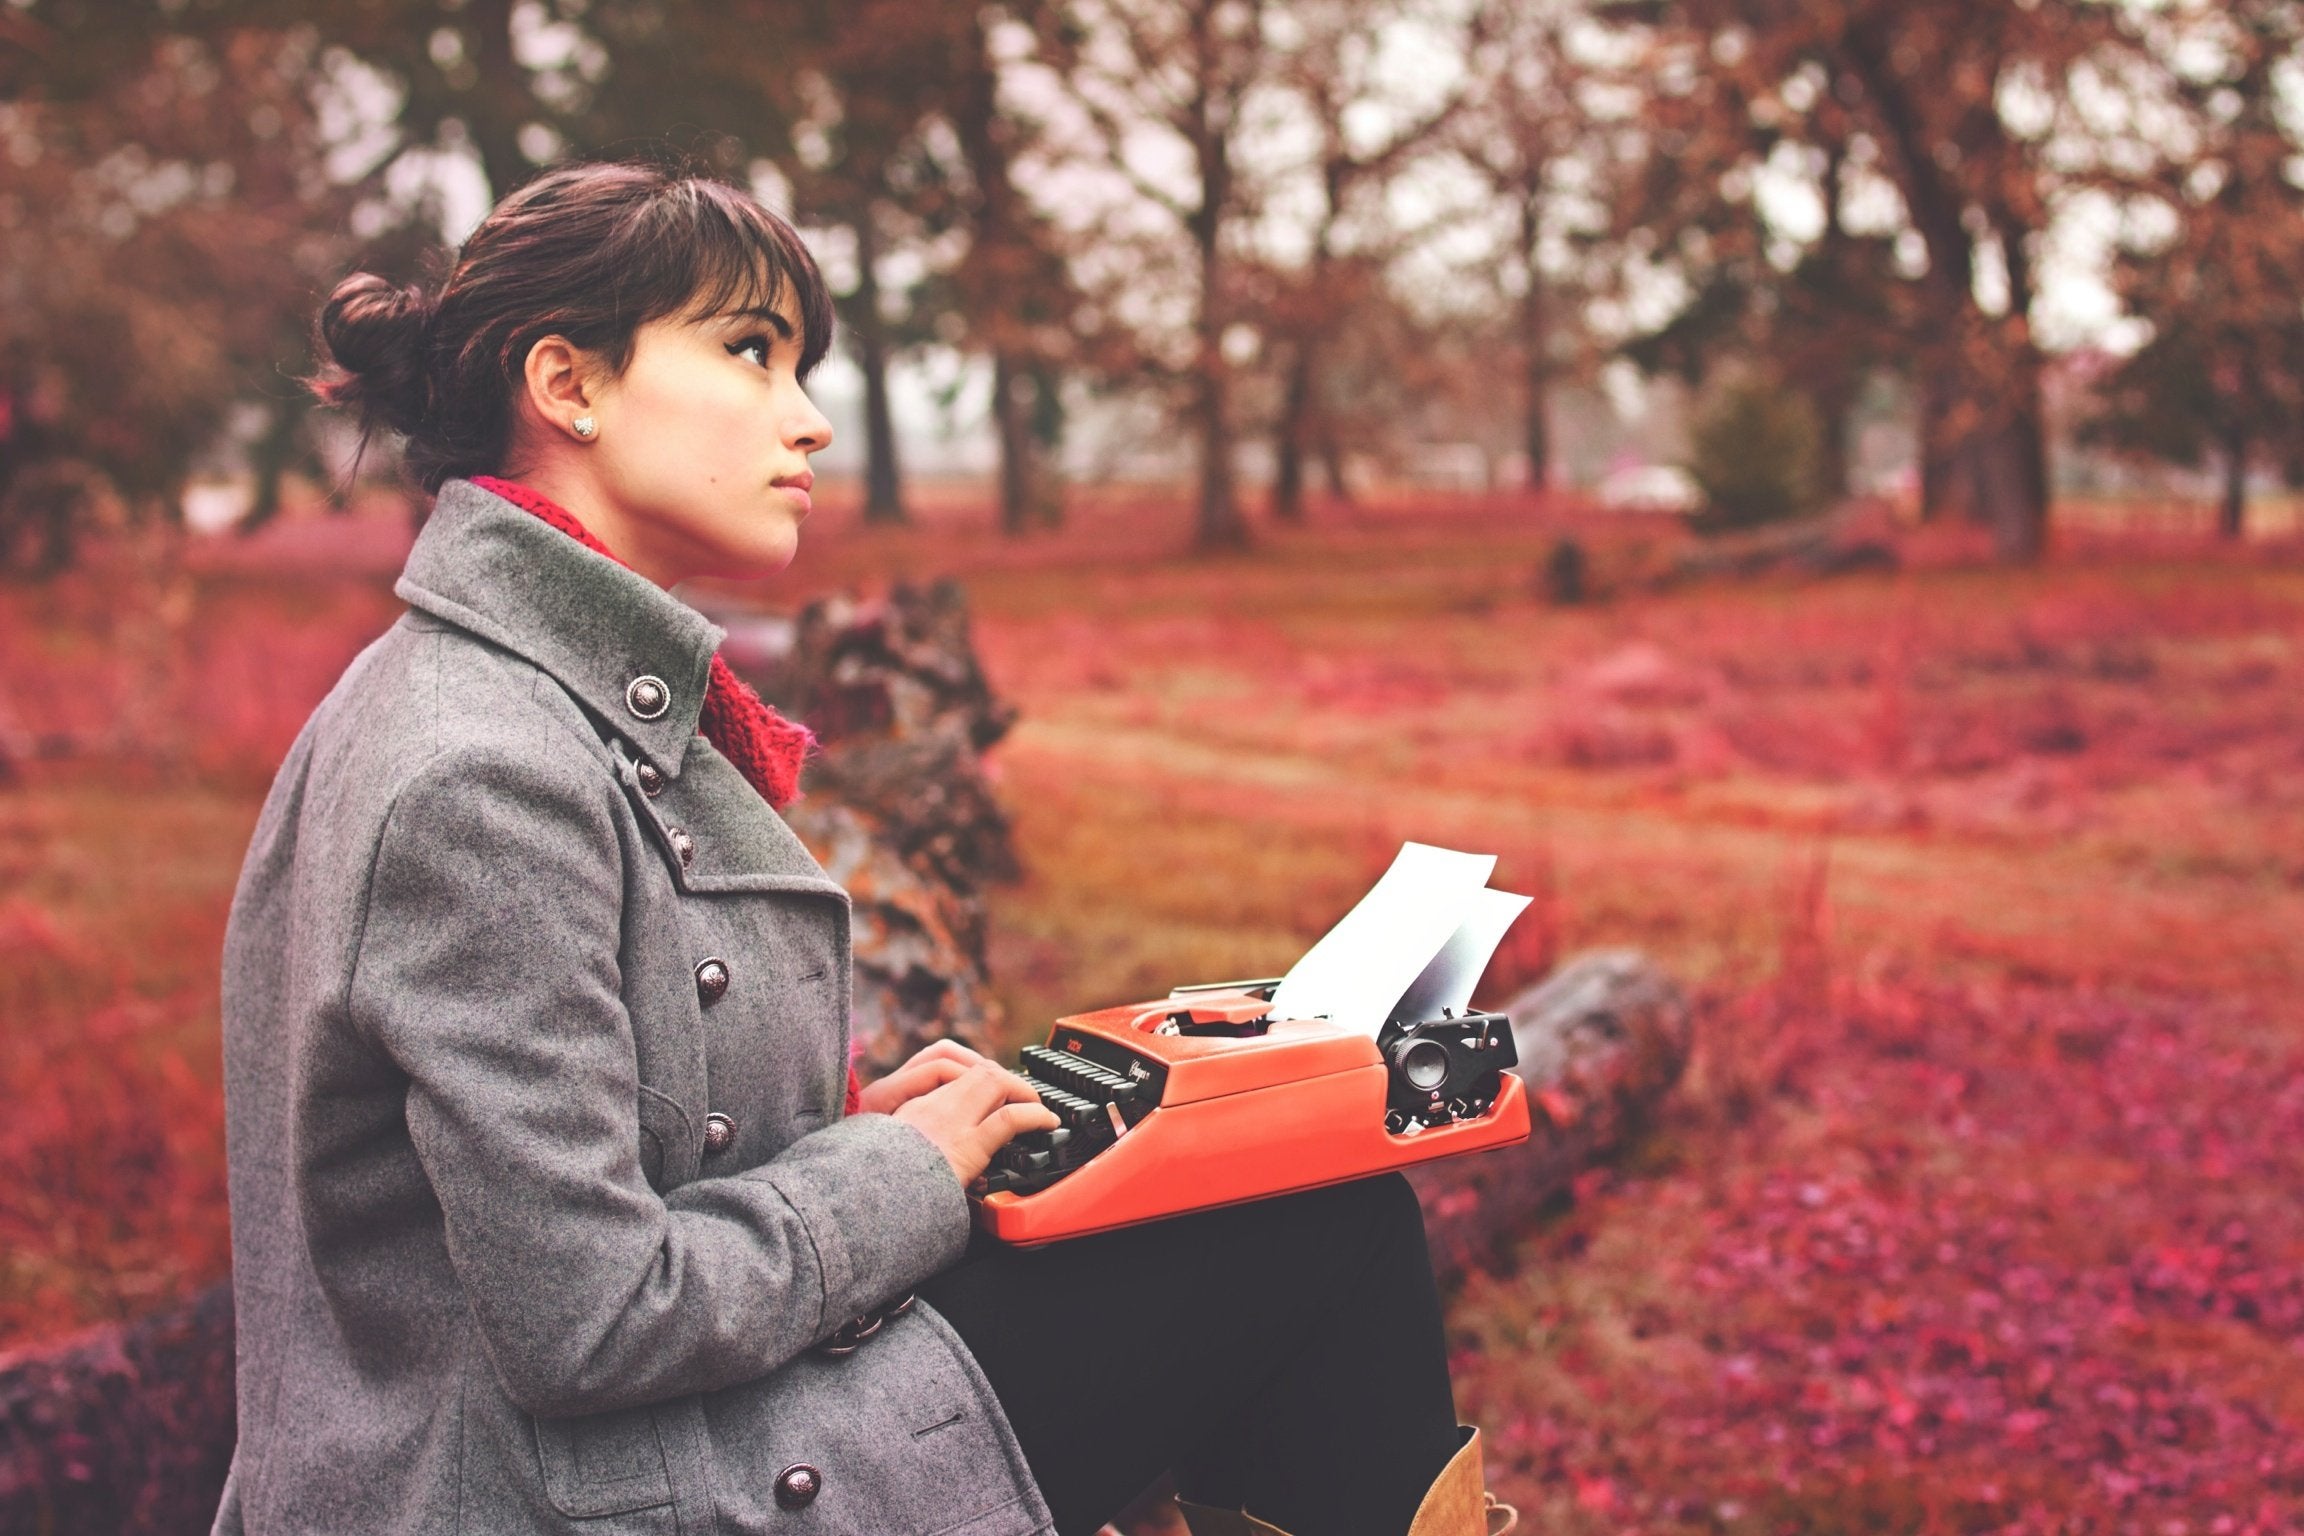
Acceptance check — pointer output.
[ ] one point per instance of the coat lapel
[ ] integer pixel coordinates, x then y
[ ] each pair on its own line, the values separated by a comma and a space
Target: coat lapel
597, 627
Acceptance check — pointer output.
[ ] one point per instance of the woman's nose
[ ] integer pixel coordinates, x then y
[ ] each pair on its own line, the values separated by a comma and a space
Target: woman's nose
808, 430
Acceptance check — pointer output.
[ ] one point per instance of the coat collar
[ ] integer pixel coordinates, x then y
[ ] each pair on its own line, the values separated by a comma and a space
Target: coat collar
598, 628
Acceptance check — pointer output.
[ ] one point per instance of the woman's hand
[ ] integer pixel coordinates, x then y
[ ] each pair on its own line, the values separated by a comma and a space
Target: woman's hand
973, 1113
931, 1068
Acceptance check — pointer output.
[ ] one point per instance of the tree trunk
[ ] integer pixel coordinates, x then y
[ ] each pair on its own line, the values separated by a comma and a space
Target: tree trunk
2005, 492
1015, 444
883, 489
1985, 373
999, 284
1046, 440
1209, 125
1941, 495
280, 449
2232, 516
1830, 403
1221, 525
1291, 444
496, 109
2011, 457
1536, 428
2021, 529
1332, 465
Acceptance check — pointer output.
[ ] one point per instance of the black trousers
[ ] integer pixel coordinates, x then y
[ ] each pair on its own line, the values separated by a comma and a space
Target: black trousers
1285, 1357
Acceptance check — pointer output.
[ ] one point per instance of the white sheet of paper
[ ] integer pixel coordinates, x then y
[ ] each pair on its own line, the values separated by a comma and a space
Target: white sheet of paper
1447, 983
1360, 967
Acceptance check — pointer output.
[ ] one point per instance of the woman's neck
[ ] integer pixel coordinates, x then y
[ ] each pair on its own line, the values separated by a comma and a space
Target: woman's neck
583, 499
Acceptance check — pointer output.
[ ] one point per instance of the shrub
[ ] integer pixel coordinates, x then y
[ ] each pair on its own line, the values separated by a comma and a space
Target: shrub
1753, 449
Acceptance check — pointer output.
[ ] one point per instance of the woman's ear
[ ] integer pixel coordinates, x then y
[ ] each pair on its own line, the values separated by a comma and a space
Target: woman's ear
560, 378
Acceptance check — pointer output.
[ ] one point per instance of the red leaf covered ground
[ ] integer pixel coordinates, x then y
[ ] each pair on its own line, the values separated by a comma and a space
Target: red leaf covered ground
1978, 1210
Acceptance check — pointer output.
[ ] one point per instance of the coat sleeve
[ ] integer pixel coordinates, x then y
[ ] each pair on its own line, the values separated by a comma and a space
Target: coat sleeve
487, 970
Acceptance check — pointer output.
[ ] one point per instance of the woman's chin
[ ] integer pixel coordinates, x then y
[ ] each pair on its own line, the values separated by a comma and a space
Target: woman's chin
758, 560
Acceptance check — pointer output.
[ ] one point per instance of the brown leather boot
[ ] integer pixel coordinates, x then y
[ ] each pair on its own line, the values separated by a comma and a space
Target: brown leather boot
1457, 1504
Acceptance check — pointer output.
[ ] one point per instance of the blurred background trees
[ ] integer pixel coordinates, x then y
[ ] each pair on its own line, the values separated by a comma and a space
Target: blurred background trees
2221, 380
1319, 237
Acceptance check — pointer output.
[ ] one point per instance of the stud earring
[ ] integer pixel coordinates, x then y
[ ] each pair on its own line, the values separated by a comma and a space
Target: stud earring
586, 428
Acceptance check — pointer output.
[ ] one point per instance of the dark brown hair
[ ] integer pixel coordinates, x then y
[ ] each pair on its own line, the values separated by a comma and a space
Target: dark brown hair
591, 251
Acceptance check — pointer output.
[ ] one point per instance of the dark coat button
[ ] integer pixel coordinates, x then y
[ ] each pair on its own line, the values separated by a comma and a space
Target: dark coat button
719, 1133
647, 697
651, 780
682, 844
798, 1485
712, 980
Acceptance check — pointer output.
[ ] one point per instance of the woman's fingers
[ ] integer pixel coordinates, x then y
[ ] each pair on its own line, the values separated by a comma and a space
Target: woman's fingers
1002, 1126
976, 1113
945, 1050
1013, 1120
929, 1068
905, 1084
916, 1077
990, 1085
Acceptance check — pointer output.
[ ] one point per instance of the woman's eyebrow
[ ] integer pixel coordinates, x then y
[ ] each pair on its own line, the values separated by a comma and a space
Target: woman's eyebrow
774, 317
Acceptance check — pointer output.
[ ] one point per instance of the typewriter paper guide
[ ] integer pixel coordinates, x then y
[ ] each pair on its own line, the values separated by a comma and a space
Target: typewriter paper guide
1446, 984
1427, 927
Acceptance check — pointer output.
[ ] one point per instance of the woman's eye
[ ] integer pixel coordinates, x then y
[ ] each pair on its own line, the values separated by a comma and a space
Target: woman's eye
756, 347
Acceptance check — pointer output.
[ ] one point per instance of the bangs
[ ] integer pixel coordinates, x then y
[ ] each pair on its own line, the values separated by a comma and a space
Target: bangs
723, 253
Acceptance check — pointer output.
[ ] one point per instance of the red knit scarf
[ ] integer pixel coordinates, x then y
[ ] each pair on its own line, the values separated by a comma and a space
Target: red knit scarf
765, 747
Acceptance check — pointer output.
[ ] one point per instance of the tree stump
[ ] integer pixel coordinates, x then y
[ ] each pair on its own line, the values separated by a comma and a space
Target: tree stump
897, 806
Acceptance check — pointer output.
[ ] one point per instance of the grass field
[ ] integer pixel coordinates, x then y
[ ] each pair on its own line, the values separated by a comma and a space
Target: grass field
1977, 1210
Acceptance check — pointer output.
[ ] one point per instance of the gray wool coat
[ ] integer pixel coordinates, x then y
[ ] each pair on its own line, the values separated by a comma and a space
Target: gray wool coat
494, 1269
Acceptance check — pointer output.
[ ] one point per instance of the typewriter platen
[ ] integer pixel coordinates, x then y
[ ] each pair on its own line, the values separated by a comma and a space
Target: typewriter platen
1201, 1100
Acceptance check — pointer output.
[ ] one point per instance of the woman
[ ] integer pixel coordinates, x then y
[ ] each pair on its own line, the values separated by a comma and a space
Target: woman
552, 1209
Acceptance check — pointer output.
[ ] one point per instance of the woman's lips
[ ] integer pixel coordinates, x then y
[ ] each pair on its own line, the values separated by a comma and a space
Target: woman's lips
799, 485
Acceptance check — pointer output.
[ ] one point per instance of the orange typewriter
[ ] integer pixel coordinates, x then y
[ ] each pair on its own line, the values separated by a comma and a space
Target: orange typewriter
1214, 1095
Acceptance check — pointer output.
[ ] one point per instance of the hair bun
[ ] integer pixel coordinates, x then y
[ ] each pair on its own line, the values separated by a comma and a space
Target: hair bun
376, 336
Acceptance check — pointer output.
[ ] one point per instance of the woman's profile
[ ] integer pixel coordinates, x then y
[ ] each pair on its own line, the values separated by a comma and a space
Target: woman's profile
554, 1205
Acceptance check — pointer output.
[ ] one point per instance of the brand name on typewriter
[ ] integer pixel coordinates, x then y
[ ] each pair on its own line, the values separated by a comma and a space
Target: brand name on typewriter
1444, 1069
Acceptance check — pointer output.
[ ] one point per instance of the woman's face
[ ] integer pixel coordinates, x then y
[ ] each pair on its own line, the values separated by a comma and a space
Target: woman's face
701, 460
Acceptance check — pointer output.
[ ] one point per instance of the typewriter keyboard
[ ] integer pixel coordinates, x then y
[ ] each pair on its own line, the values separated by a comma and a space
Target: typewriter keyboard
1096, 1104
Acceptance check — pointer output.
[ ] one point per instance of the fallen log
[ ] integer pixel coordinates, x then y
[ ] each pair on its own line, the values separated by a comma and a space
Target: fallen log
120, 1430
1853, 539
1601, 1040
